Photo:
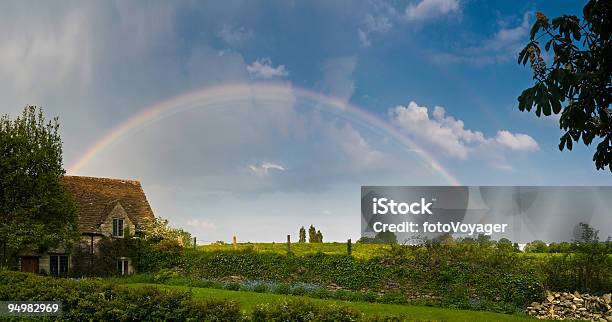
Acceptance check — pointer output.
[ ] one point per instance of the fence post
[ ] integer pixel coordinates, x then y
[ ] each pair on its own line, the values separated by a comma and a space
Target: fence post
288, 244
349, 247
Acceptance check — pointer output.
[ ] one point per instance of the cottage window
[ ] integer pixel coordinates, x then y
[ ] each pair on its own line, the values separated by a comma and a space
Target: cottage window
122, 267
58, 264
117, 227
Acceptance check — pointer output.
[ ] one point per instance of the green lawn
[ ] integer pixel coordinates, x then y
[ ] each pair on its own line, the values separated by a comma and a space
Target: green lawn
248, 300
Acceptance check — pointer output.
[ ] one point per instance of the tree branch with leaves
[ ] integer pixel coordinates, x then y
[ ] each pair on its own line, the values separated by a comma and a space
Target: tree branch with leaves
577, 82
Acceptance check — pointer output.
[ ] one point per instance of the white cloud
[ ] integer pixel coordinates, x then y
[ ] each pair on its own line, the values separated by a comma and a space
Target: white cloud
384, 15
364, 38
338, 76
509, 36
201, 225
373, 24
355, 147
518, 142
235, 36
449, 135
262, 68
263, 169
428, 9
503, 46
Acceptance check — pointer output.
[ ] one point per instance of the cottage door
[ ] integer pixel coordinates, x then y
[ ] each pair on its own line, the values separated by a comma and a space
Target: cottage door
29, 264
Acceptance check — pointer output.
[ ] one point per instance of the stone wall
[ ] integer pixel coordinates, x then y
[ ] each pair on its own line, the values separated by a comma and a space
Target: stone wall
576, 306
118, 212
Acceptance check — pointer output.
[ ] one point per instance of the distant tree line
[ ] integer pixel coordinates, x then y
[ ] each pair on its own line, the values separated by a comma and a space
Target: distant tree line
385, 237
587, 238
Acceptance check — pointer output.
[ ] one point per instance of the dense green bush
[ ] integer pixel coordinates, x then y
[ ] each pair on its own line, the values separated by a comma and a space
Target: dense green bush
588, 269
303, 311
93, 300
297, 310
319, 268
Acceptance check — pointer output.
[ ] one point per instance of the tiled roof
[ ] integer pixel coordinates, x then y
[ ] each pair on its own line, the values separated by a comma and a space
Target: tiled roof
95, 198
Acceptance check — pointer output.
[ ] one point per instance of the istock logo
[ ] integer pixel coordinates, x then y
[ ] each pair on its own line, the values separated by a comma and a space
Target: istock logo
383, 206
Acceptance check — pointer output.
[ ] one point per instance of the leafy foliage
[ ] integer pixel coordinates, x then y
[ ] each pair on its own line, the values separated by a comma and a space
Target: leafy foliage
580, 74
536, 246
298, 310
434, 268
96, 301
384, 237
36, 213
104, 260
314, 235
160, 230
477, 274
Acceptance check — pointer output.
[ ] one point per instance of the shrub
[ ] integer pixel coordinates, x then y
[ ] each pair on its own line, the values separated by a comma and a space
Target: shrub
320, 293
232, 286
282, 288
369, 296
537, 246
393, 298
164, 275
520, 290
298, 310
298, 290
93, 300
588, 269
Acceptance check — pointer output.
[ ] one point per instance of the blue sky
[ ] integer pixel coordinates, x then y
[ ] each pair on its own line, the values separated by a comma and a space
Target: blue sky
442, 73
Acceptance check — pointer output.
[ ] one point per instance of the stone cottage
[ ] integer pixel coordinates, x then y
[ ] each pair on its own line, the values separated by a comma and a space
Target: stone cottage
106, 208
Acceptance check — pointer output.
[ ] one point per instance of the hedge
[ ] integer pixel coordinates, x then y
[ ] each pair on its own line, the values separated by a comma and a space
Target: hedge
470, 277
93, 300
96, 300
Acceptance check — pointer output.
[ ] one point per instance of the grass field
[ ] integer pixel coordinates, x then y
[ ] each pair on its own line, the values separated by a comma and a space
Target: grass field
359, 250
248, 300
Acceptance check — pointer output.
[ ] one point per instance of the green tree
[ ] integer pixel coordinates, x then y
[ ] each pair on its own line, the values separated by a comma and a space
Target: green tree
579, 76
36, 213
312, 234
383, 237
504, 244
160, 230
484, 240
386, 237
586, 234
319, 236
536, 246
302, 235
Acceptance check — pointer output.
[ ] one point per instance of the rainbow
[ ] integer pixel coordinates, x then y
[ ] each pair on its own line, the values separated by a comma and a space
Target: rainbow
266, 91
